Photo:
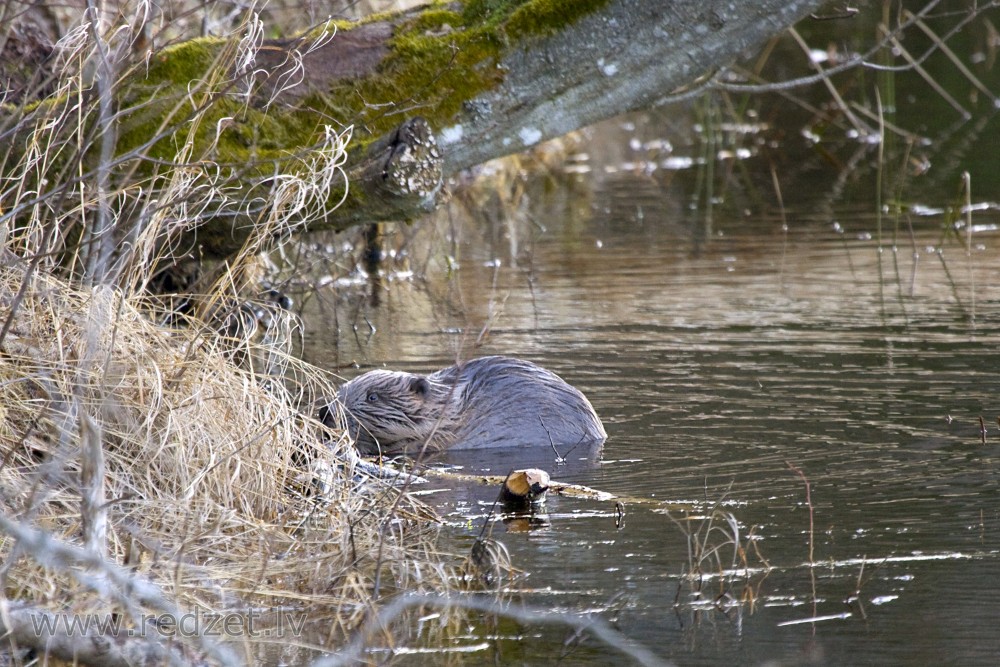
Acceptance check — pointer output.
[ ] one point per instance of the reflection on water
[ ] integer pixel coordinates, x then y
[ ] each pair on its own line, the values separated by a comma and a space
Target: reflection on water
728, 349
717, 364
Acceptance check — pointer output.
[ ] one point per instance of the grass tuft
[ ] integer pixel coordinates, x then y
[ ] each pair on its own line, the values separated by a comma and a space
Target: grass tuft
146, 468
206, 467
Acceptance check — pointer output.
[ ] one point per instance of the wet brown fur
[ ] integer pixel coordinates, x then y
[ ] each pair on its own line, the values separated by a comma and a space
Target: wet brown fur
487, 402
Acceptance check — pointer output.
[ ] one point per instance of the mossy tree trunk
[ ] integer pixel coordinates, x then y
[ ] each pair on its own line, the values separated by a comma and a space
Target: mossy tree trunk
427, 92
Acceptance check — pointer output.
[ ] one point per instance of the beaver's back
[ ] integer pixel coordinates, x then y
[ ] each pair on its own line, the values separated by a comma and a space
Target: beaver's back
502, 401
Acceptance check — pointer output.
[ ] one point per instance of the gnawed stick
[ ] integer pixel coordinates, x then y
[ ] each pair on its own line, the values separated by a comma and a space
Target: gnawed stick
525, 487
554, 486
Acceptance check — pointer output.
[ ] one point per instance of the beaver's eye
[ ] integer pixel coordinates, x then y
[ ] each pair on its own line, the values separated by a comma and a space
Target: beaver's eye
372, 397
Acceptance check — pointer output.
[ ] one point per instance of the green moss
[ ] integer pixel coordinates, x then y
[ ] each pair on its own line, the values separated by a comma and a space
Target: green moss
546, 17
189, 61
186, 91
430, 70
434, 20
489, 11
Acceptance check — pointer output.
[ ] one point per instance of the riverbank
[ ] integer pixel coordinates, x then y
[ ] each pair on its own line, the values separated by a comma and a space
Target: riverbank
172, 480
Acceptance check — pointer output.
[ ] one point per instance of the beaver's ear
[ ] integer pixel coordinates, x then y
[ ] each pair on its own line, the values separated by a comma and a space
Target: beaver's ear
420, 386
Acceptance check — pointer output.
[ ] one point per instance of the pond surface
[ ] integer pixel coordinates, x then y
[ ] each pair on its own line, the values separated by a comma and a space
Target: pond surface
716, 371
734, 353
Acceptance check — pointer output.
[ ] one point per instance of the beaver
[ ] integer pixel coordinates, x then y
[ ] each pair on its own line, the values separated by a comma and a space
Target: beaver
486, 402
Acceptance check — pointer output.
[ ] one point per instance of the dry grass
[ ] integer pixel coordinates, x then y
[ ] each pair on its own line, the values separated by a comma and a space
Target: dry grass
145, 468
710, 581
201, 461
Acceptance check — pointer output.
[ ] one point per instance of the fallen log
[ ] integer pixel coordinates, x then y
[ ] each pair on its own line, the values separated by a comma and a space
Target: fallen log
487, 78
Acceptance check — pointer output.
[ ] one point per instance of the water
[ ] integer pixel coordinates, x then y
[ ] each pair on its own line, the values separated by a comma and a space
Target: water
735, 352
718, 371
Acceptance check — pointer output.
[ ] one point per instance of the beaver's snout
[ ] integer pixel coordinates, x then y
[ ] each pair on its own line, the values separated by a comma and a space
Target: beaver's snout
333, 416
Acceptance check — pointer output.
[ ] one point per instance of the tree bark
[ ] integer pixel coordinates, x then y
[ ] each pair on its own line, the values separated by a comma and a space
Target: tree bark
627, 56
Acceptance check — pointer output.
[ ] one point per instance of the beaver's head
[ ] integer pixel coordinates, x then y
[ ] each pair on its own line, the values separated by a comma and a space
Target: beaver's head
387, 411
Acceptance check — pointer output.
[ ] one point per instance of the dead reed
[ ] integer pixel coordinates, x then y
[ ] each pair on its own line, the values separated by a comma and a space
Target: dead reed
146, 469
189, 463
